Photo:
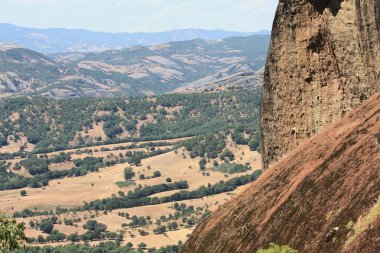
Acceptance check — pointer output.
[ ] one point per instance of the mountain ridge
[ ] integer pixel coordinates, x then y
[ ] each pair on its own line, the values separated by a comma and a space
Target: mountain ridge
59, 40
138, 70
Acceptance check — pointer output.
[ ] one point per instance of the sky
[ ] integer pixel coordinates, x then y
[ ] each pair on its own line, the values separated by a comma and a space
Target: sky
140, 15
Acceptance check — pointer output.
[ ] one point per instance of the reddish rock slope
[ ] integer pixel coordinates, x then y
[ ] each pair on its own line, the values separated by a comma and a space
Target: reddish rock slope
321, 197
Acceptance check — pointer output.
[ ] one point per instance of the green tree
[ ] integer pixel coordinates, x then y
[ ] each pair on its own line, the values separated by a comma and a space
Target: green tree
202, 164
254, 142
142, 245
47, 226
156, 174
128, 173
41, 239
12, 234
274, 248
136, 160
73, 237
227, 154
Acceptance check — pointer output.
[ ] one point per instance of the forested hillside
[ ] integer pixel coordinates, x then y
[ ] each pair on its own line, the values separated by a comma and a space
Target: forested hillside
42, 124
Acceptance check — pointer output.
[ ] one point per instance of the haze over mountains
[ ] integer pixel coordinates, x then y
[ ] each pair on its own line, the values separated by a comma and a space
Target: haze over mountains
58, 40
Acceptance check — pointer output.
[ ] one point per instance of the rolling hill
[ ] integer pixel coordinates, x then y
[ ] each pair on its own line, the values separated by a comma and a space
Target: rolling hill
134, 71
35, 123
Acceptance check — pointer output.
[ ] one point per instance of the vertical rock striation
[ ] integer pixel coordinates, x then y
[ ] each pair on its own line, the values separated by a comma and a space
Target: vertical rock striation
324, 196
324, 61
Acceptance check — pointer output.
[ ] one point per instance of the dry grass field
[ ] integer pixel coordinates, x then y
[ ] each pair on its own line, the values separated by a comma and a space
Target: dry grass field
73, 191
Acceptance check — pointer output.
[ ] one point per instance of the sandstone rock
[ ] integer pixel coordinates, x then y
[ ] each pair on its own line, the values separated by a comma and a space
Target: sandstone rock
324, 60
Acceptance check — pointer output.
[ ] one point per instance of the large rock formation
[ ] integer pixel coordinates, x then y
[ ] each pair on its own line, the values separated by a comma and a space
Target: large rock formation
321, 197
324, 61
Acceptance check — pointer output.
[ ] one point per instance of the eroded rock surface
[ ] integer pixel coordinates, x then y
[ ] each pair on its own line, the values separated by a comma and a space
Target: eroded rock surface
324, 60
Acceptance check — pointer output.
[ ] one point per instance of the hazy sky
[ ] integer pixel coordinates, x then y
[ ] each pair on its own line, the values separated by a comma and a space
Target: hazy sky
140, 15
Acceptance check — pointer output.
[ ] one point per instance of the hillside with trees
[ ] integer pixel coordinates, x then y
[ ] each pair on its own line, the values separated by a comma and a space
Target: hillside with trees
40, 124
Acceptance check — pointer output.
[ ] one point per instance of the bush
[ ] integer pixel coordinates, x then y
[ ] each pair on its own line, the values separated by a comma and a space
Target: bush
142, 245
254, 142
23, 193
73, 237
47, 226
129, 173
232, 168
202, 164
273, 248
156, 174
227, 154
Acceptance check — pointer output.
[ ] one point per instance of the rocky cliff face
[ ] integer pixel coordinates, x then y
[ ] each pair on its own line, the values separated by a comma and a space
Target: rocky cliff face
321, 197
324, 61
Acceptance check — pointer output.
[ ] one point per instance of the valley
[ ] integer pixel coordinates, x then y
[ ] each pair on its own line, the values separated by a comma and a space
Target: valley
176, 165
146, 170
192, 141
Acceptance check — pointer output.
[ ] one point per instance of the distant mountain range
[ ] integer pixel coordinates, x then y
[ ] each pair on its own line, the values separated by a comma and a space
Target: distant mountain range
195, 65
58, 40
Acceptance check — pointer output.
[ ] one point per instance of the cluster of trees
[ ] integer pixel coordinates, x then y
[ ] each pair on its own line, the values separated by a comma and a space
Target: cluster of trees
38, 167
139, 221
255, 142
232, 168
97, 231
227, 154
182, 210
10, 180
35, 166
139, 197
42, 174
54, 236
218, 188
162, 229
103, 247
208, 145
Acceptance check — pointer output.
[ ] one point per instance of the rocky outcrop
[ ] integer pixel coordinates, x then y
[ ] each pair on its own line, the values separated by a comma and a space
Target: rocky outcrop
321, 197
324, 60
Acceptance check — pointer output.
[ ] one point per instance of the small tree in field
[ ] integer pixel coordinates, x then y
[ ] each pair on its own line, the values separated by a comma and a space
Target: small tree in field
202, 164
23, 193
129, 173
156, 174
